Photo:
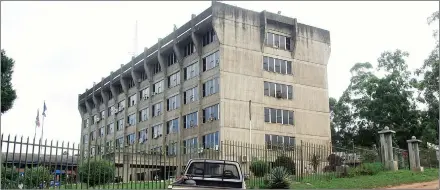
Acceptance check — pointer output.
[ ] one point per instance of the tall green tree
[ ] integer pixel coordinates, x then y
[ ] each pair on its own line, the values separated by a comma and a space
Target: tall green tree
428, 87
8, 92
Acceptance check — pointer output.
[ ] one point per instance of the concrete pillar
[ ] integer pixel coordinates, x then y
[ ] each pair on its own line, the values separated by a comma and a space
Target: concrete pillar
414, 158
386, 145
125, 168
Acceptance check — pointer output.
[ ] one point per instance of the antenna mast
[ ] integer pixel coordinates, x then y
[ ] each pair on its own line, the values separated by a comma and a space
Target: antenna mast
135, 39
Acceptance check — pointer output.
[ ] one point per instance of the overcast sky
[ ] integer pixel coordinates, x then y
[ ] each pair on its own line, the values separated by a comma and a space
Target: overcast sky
61, 48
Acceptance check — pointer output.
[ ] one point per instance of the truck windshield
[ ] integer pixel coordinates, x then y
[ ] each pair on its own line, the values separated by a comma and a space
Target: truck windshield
213, 170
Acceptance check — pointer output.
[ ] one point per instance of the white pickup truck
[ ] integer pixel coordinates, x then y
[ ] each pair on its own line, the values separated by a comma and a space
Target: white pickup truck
210, 174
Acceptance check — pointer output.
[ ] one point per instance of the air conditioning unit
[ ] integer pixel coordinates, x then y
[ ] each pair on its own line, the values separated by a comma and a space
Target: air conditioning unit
244, 158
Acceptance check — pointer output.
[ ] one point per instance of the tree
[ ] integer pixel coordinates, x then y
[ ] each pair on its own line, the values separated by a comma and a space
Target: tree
428, 87
8, 92
37, 176
96, 172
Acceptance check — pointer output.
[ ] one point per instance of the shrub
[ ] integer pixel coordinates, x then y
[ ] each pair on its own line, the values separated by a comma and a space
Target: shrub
286, 162
367, 169
96, 172
278, 178
259, 168
10, 178
315, 160
369, 156
333, 160
37, 176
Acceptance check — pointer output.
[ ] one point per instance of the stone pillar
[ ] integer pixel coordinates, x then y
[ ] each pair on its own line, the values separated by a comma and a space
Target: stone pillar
413, 150
386, 145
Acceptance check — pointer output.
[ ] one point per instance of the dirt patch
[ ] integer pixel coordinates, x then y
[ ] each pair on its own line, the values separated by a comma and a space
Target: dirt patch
423, 185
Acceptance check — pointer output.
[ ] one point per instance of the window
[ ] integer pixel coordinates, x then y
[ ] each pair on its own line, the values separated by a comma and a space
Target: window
85, 139
143, 75
101, 131
210, 141
171, 59
172, 149
102, 114
110, 95
120, 142
214, 170
277, 65
130, 83
119, 89
86, 123
143, 114
190, 95
120, 124
189, 49
174, 80
111, 110
156, 68
190, 120
94, 119
110, 128
173, 126
143, 136
278, 90
121, 104
190, 146
208, 37
131, 119
132, 100
157, 131
92, 135
211, 113
145, 94
173, 103
191, 71
211, 87
131, 138
278, 116
108, 145
278, 41
279, 142
157, 109
158, 87
211, 61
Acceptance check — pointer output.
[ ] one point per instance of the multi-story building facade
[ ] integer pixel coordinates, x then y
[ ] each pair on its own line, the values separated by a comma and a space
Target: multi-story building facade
200, 84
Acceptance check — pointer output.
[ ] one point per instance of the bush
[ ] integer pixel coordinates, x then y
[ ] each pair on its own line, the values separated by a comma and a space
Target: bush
10, 178
96, 172
369, 156
286, 162
333, 160
259, 168
278, 178
367, 169
37, 176
315, 160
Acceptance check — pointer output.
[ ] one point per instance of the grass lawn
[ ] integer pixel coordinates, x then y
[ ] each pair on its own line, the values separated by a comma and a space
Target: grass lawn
383, 179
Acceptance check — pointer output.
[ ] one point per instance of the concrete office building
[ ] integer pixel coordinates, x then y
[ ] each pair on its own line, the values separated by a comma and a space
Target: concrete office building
195, 85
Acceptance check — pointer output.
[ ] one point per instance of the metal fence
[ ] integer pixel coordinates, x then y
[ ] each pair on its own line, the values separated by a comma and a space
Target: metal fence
34, 164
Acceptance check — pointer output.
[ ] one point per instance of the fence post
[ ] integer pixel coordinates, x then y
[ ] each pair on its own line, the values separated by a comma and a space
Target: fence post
413, 153
387, 147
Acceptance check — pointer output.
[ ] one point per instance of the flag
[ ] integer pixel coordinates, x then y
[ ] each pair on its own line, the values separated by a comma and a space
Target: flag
44, 109
37, 120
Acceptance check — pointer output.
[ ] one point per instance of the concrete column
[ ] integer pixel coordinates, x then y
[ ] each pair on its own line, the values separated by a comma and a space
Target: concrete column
386, 143
178, 54
414, 158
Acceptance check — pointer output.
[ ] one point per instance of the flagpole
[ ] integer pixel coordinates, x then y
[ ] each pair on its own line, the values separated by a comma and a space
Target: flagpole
42, 127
